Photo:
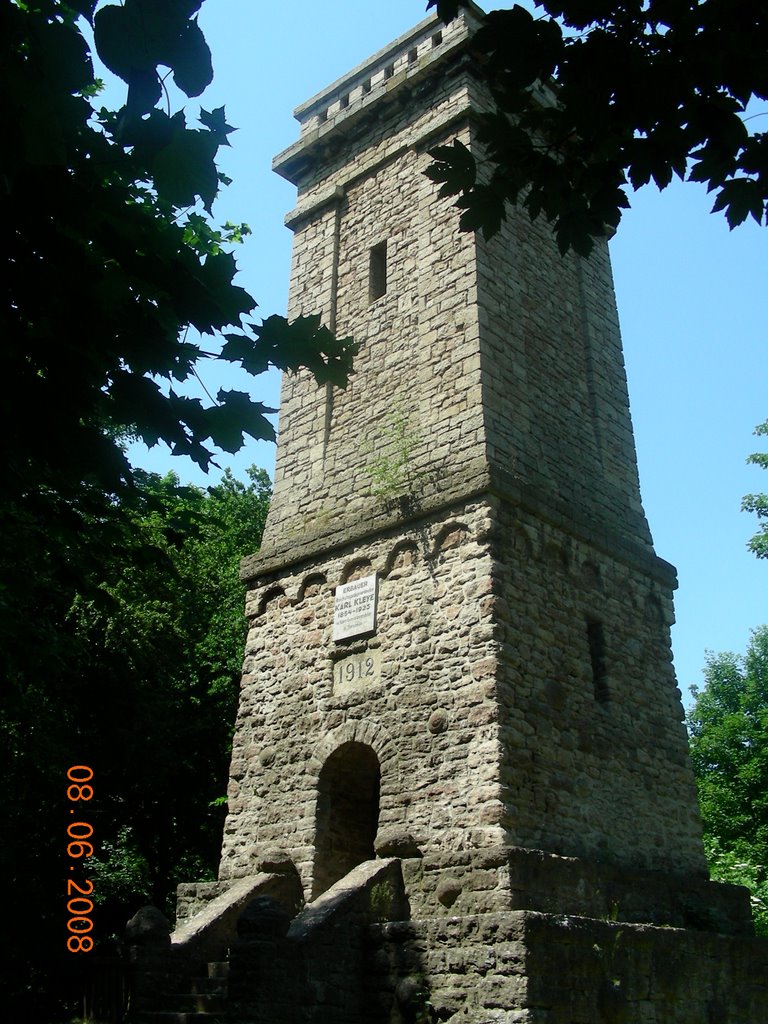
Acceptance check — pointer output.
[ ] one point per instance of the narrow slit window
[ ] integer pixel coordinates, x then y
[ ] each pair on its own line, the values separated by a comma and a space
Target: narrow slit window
596, 641
377, 272
413, 55
389, 70
366, 86
344, 102
437, 38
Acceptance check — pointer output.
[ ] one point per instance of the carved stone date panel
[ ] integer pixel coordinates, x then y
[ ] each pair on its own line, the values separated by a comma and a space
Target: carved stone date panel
356, 672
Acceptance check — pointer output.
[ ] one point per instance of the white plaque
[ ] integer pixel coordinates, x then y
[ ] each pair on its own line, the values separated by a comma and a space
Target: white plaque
354, 611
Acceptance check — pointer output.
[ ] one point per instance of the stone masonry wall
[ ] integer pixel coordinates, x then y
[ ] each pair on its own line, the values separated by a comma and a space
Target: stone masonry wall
480, 700
554, 386
418, 359
528, 968
595, 755
423, 702
520, 685
498, 356
360, 181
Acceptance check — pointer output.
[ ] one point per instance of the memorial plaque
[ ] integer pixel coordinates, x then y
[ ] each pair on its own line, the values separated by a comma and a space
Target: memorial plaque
354, 611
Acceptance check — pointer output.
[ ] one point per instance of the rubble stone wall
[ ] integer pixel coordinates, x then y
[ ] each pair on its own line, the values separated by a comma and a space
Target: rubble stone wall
418, 693
528, 968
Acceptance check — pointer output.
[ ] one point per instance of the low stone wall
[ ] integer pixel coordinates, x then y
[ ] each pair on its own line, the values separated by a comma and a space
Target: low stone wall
503, 878
210, 933
192, 897
522, 967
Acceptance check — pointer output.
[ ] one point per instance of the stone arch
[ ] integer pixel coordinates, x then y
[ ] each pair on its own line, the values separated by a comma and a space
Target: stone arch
452, 535
311, 585
404, 554
346, 771
269, 599
354, 570
346, 813
359, 731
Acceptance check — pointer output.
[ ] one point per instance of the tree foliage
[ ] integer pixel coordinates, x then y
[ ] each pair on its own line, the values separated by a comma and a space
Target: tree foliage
593, 97
120, 619
728, 726
117, 284
137, 677
114, 272
758, 503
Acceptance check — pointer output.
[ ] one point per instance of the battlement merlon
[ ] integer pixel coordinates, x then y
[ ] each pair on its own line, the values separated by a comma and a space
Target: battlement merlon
412, 57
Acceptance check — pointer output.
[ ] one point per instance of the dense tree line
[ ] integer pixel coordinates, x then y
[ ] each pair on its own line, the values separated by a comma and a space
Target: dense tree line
728, 726
136, 676
120, 619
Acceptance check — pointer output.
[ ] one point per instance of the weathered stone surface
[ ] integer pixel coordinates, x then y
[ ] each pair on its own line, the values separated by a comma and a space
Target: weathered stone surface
395, 842
210, 930
523, 966
148, 927
519, 547
276, 860
448, 891
263, 918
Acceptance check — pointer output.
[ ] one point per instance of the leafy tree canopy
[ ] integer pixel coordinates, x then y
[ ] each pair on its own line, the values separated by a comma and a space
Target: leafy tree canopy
593, 97
116, 285
111, 257
728, 726
758, 503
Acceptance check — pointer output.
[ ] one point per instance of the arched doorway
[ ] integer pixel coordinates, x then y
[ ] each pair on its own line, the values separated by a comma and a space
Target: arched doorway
347, 813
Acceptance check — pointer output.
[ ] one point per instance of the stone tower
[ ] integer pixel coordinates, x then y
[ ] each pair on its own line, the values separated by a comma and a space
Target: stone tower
458, 664
517, 688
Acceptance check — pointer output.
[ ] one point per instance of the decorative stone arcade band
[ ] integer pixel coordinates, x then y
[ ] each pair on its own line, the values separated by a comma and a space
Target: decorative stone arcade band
354, 610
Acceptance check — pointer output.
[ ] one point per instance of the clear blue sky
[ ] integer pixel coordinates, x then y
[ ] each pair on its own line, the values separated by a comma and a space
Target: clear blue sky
692, 298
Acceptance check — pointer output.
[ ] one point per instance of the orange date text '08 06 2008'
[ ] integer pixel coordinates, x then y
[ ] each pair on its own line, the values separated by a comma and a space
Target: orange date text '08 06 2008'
79, 906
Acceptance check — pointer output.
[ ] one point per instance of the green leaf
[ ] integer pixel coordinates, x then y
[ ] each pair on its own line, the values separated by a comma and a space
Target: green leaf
236, 415
218, 302
215, 121
483, 210
304, 343
740, 198
190, 59
454, 166
144, 90
184, 170
122, 41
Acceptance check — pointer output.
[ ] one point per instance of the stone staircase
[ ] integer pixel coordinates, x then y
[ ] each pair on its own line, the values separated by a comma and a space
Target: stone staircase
204, 1002
279, 964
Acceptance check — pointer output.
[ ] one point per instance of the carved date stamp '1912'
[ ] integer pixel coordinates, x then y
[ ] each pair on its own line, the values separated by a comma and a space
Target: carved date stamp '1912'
357, 672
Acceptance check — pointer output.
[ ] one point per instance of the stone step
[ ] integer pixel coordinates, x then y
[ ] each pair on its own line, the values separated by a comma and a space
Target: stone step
178, 1017
203, 1003
218, 969
195, 1002
207, 986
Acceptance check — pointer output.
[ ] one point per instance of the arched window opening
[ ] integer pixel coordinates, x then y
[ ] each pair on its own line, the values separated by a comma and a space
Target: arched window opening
347, 814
